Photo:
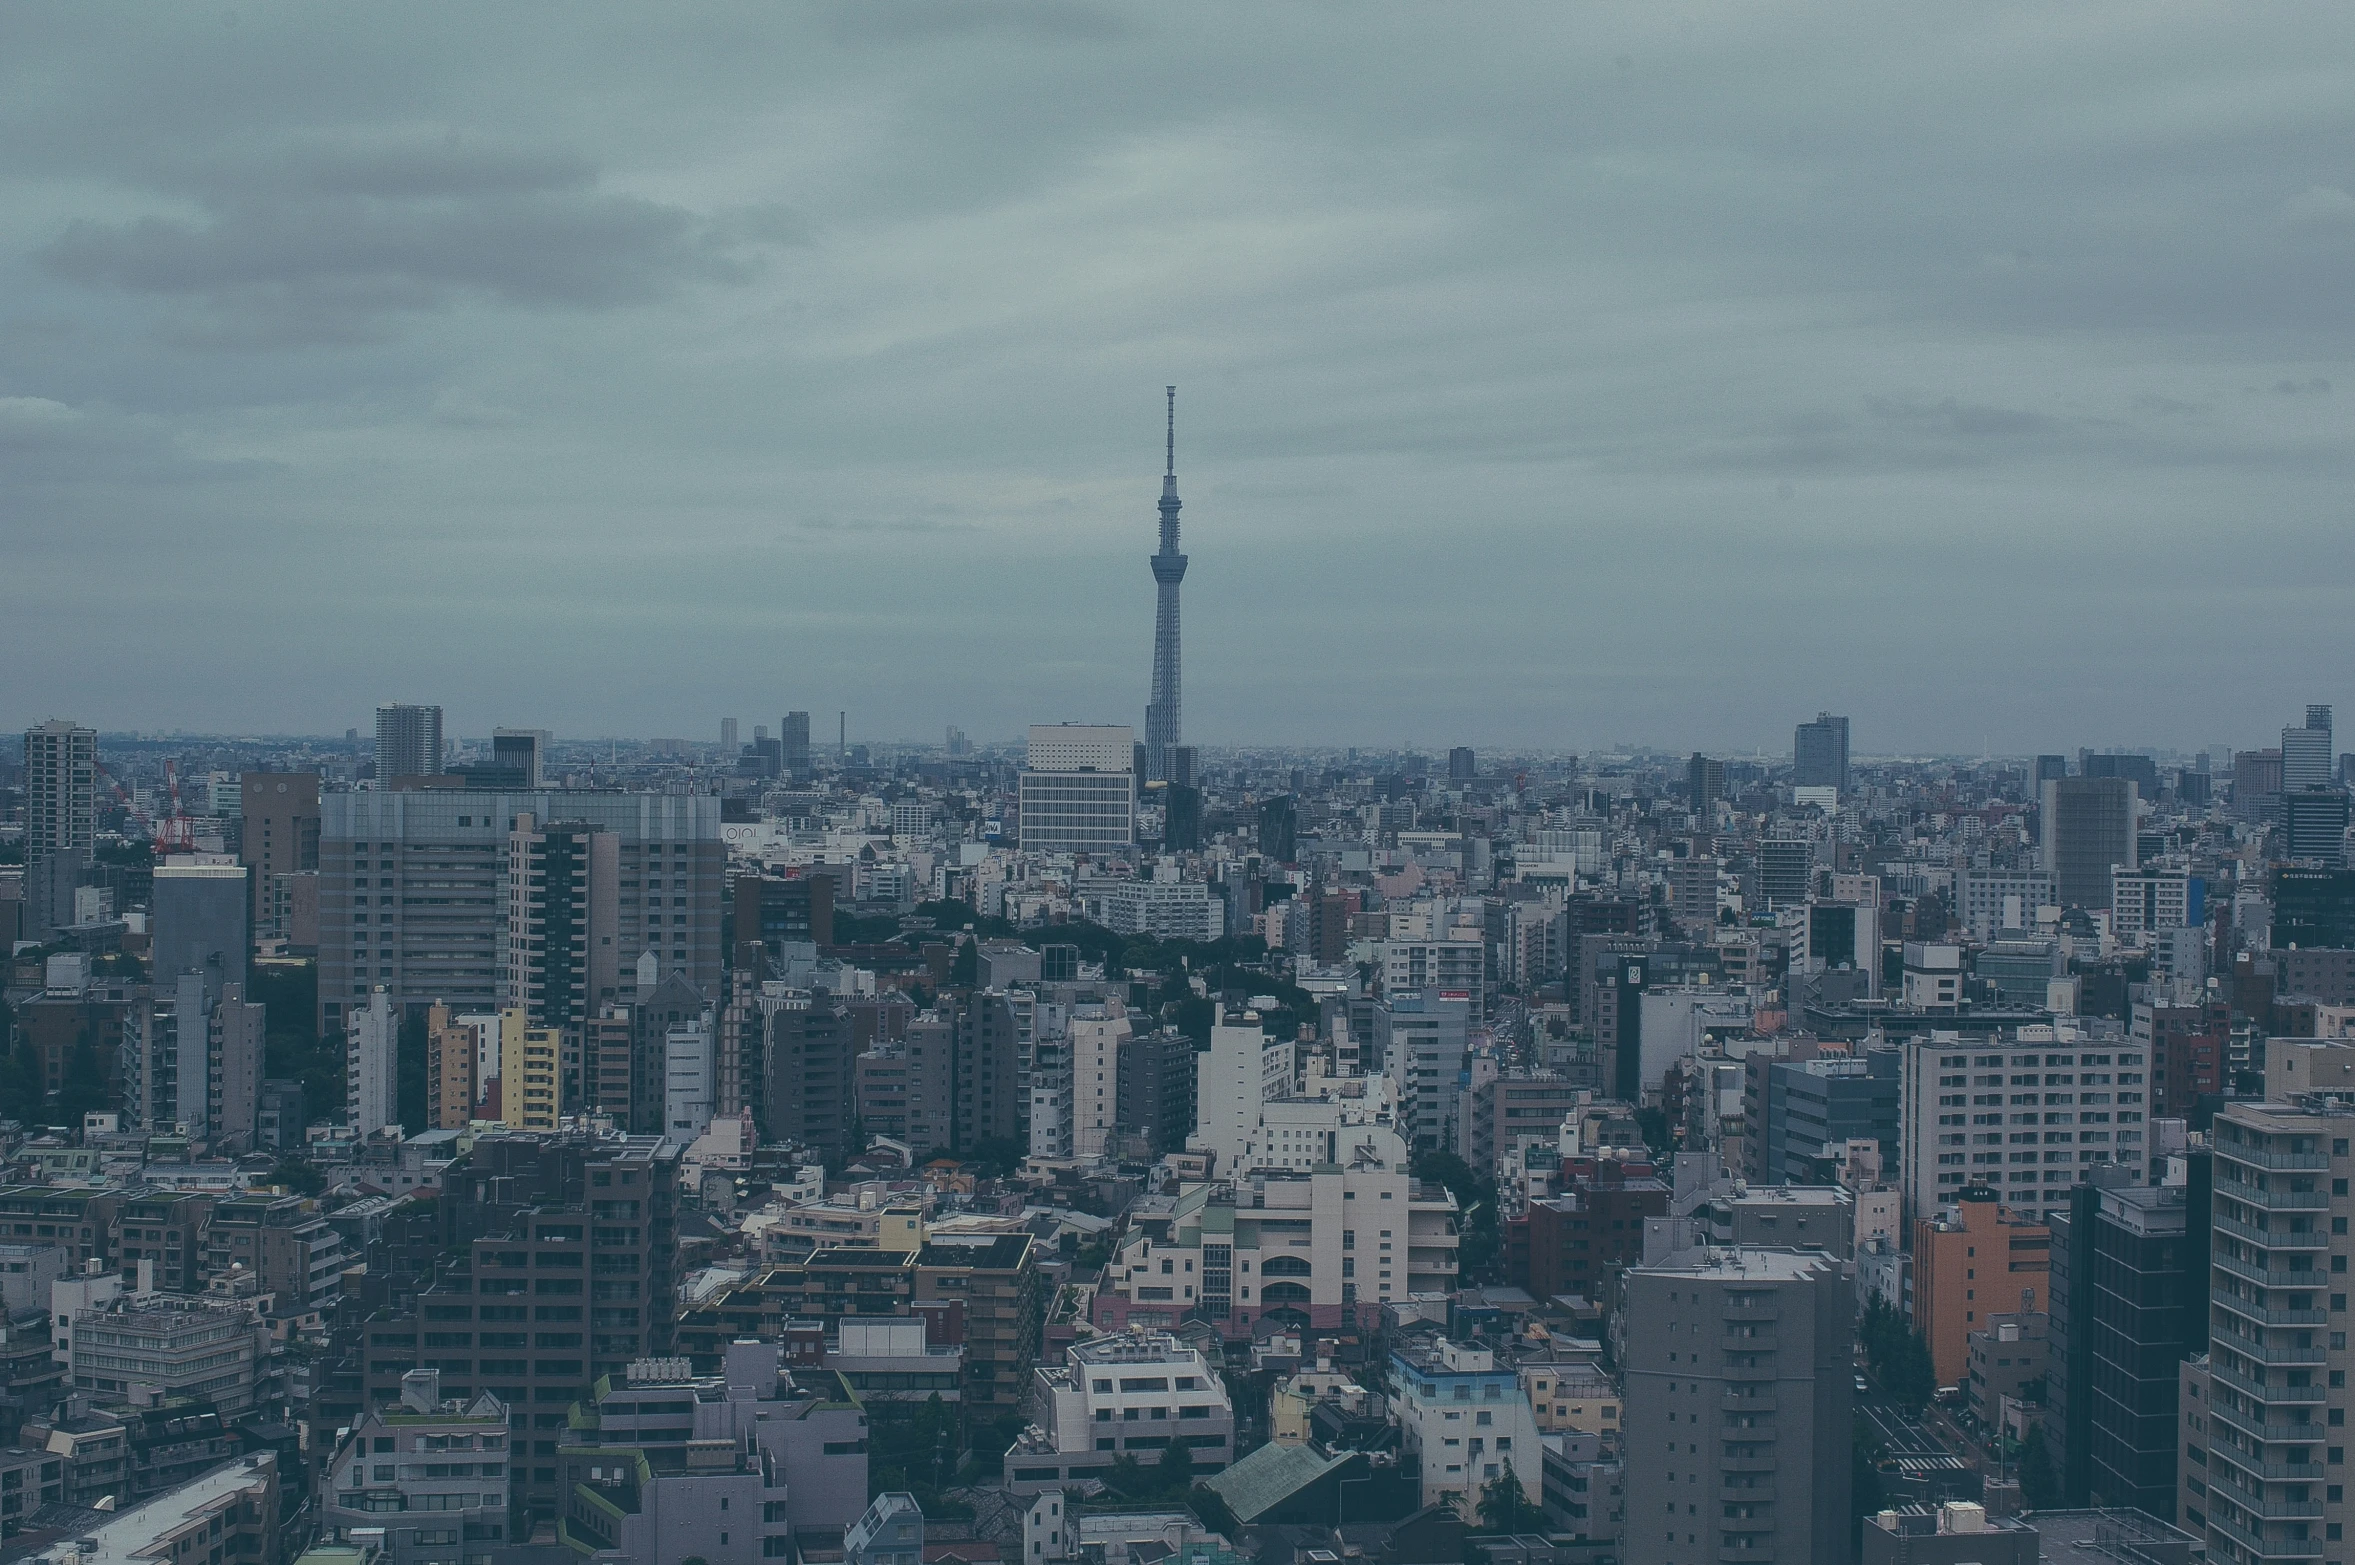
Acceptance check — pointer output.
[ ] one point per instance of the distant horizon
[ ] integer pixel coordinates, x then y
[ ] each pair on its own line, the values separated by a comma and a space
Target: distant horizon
1434, 752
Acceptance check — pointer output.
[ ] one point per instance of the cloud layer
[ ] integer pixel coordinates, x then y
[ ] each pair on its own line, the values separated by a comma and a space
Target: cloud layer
1553, 377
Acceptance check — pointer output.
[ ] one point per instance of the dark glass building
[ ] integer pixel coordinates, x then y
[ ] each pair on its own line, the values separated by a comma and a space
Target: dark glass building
2128, 1298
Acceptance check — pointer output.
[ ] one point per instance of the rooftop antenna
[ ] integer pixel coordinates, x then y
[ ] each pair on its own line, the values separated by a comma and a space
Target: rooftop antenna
1173, 431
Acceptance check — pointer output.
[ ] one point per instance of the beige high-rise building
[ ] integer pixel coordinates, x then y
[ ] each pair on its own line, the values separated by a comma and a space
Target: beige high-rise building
453, 1052
1097, 1032
281, 835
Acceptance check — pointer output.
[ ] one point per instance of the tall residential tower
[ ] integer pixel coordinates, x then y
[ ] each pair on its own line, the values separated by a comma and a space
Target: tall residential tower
1162, 726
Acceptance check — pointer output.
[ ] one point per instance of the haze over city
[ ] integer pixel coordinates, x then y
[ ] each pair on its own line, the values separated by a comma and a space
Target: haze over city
1051, 782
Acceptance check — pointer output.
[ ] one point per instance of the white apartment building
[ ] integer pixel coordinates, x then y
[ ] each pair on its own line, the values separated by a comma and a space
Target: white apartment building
1989, 901
2146, 900
1317, 1246
1422, 1038
1165, 908
2028, 1114
1051, 1116
370, 1089
1306, 1132
1096, 1033
1242, 1070
425, 1474
690, 1078
1438, 945
1133, 1394
1466, 1421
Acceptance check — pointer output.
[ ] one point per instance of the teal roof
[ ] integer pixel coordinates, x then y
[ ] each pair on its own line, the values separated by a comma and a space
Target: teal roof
1268, 1477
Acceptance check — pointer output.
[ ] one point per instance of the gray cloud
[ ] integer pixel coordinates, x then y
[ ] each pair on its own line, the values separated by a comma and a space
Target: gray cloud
1553, 375
329, 240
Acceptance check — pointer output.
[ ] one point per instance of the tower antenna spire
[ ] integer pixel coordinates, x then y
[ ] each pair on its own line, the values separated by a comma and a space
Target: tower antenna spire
1173, 431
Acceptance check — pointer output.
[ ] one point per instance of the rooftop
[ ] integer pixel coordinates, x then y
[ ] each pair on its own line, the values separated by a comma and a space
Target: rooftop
1731, 1262
129, 1537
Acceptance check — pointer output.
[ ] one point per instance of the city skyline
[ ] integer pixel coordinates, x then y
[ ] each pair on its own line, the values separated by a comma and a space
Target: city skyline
1686, 385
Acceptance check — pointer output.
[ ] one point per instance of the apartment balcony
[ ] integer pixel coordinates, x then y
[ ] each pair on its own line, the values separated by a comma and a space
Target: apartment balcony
2256, 1504
2316, 1161
2250, 1271
2262, 1392
2267, 1548
2255, 1429
2258, 1468
2267, 1317
2275, 1200
2273, 1238
2274, 1353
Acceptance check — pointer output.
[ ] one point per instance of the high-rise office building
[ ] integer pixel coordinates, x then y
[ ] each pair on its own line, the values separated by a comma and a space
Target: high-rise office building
199, 914
414, 892
1164, 728
1738, 1365
2313, 908
2314, 825
1704, 782
794, 744
408, 742
1078, 792
520, 757
371, 1051
563, 887
1819, 753
727, 740
1279, 829
1462, 764
61, 820
280, 834
1963, 1124
2087, 830
2307, 759
812, 1063
1785, 870
2128, 1297
2049, 767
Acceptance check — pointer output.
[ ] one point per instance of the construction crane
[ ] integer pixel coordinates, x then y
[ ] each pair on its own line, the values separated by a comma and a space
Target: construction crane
175, 833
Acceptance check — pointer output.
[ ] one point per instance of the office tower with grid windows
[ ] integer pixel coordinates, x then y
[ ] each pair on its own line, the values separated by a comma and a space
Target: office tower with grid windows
415, 896
1078, 789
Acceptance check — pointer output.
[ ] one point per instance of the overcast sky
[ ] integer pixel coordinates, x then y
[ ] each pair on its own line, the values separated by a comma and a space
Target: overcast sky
1550, 376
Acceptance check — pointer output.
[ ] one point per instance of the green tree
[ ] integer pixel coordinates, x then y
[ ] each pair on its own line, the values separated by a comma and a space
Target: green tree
1175, 1470
2040, 1486
1864, 1481
1504, 1508
965, 971
1127, 1477
298, 1176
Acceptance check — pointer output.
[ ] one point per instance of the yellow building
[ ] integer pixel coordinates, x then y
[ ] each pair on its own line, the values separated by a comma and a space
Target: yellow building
527, 1073
1574, 1396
